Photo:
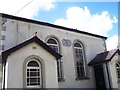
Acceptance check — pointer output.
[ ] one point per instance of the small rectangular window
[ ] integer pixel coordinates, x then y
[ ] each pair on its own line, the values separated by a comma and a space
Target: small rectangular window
3, 37
3, 28
3, 47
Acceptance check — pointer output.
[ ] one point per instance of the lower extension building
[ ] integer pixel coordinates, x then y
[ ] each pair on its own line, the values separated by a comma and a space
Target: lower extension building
36, 54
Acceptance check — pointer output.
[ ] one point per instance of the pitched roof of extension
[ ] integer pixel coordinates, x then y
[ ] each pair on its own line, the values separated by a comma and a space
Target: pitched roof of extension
50, 25
104, 57
34, 39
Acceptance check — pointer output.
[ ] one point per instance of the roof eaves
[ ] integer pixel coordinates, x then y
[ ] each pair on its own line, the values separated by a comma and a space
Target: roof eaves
106, 60
6, 53
51, 25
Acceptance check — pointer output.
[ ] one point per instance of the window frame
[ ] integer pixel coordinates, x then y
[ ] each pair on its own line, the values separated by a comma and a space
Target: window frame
54, 44
117, 68
84, 61
61, 78
40, 73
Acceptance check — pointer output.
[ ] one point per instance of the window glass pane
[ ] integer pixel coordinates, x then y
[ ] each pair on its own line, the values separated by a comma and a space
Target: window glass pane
33, 84
28, 80
77, 45
55, 48
33, 63
27, 74
33, 70
33, 80
51, 41
33, 73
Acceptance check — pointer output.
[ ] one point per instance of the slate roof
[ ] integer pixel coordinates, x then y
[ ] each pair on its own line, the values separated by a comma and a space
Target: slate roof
34, 39
50, 25
104, 57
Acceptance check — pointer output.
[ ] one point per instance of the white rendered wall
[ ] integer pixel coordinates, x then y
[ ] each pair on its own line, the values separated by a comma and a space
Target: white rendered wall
17, 32
15, 77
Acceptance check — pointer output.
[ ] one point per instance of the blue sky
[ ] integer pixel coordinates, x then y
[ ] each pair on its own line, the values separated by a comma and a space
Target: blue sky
95, 7
94, 16
61, 7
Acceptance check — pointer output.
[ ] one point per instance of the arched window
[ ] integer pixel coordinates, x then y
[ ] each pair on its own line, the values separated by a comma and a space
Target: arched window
53, 43
79, 59
118, 69
33, 74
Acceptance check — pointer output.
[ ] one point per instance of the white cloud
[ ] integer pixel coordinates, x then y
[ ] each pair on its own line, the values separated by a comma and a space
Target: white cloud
82, 19
12, 6
112, 42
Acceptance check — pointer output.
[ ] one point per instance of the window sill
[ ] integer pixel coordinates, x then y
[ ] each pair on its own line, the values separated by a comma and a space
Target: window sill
61, 80
82, 78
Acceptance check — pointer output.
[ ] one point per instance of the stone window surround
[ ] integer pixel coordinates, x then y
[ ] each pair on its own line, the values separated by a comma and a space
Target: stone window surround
42, 69
86, 77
